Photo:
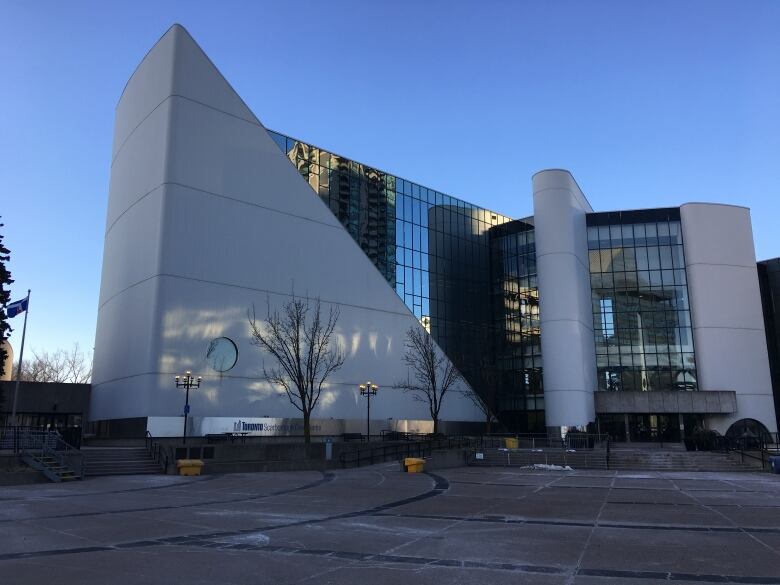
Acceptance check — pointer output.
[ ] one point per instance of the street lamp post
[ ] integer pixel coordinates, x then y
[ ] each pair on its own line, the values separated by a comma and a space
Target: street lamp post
368, 390
187, 381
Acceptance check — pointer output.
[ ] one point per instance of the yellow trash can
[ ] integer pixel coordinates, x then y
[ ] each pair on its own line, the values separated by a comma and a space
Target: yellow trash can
511, 443
189, 466
414, 464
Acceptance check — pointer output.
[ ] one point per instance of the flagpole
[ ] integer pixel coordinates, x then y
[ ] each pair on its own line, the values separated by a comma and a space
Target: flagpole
19, 366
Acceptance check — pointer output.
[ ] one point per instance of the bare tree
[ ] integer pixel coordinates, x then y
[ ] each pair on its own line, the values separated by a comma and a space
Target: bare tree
486, 399
432, 375
70, 366
299, 340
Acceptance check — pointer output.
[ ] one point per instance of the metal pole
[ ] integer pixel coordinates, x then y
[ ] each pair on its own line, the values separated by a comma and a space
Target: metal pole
19, 367
186, 411
368, 413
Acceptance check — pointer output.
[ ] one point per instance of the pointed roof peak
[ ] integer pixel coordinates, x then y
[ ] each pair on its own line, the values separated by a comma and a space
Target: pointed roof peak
175, 66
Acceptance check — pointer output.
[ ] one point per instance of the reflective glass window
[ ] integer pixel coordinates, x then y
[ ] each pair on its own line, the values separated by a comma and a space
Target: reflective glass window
640, 307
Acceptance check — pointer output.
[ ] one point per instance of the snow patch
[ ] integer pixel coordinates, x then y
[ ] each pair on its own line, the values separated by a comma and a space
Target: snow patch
254, 538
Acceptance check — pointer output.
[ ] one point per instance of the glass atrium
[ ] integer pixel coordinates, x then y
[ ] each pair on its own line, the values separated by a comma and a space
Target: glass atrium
472, 286
641, 315
469, 275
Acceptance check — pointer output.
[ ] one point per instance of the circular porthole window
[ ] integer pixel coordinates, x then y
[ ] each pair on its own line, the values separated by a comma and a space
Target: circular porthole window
222, 354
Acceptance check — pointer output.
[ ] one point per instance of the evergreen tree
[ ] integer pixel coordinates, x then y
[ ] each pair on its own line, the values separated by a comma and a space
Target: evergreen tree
5, 298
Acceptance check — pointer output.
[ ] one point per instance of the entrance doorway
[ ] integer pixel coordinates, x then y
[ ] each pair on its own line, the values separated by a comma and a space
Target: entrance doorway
649, 428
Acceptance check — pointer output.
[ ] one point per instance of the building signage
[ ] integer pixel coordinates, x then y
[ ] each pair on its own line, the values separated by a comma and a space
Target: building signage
273, 428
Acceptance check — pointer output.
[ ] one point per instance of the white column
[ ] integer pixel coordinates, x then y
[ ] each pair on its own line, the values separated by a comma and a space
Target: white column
568, 352
728, 326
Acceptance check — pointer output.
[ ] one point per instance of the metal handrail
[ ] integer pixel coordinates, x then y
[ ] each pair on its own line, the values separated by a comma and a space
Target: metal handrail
542, 441
65, 454
766, 445
22, 438
530, 457
49, 443
156, 451
35, 439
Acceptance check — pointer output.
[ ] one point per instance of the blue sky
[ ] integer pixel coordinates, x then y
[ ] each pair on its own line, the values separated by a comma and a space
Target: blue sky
649, 104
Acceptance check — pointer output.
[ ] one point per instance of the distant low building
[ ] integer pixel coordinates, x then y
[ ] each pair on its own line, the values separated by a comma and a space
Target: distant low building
42, 404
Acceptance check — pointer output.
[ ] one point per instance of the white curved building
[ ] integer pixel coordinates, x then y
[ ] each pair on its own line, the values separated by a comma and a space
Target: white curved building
625, 321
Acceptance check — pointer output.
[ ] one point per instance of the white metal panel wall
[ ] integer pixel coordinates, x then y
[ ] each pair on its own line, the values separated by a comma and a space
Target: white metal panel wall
206, 218
568, 352
728, 325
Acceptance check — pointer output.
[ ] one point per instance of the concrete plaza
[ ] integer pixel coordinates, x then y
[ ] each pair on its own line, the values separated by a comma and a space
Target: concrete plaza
377, 525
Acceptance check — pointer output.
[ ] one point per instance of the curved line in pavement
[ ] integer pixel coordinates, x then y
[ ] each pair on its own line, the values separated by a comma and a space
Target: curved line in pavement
441, 485
141, 489
326, 477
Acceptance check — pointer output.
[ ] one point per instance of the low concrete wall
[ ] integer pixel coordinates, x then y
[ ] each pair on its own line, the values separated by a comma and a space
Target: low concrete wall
446, 459
246, 458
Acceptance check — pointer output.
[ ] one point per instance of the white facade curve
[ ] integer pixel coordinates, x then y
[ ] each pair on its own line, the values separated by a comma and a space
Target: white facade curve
207, 218
728, 326
642, 324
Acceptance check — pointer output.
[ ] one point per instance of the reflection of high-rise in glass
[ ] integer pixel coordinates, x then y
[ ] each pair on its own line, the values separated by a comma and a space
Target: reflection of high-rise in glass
361, 197
470, 277
432, 248
641, 317
516, 324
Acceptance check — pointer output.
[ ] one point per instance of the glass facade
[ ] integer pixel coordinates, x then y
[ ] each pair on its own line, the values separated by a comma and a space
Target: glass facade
433, 249
469, 276
641, 315
515, 305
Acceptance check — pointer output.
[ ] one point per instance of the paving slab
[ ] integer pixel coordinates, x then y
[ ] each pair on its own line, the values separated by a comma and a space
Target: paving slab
378, 525
690, 552
662, 514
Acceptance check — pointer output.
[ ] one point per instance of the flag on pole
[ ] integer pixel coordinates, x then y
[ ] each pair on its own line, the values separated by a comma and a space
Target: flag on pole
13, 309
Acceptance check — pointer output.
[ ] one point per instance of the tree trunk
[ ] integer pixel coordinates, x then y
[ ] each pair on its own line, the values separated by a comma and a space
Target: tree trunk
435, 425
306, 427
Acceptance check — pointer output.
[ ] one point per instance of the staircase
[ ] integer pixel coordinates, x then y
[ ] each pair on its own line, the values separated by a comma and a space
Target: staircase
51, 467
675, 460
119, 461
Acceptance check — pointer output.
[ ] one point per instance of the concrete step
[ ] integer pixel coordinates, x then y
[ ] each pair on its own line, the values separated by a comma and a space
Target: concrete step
118, 452
130, 471
139, 457
91, 442
102, 461
675, 461
121, 465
